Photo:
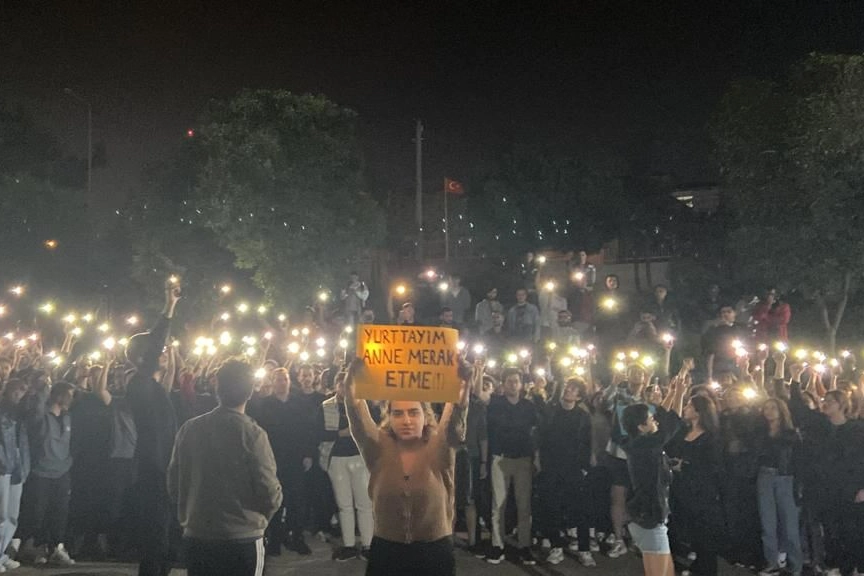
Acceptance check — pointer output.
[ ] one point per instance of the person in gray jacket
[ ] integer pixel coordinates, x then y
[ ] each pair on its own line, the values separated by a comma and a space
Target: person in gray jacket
45, 502
222, 477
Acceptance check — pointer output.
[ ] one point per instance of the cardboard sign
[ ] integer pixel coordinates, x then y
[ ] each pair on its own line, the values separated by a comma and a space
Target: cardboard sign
408, 363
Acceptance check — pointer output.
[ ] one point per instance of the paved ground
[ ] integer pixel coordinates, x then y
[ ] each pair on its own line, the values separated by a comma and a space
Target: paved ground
320, 564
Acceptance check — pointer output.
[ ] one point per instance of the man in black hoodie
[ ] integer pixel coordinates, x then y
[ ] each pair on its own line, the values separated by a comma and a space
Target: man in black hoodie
156, 425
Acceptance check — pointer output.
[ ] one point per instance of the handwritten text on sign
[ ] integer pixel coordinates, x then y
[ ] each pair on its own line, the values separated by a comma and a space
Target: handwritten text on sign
408, 363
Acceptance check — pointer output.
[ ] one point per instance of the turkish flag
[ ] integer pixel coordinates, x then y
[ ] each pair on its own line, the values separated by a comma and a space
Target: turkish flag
453, 187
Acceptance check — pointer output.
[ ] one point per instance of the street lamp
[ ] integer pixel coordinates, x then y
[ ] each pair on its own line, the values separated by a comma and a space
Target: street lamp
86, 102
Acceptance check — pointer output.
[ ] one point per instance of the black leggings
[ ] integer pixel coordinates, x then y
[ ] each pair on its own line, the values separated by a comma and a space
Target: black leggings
387, 558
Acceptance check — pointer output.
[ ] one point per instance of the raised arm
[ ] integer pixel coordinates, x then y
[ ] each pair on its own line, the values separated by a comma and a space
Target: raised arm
453, 419
100, 387
360, 422
170, 370
159, 332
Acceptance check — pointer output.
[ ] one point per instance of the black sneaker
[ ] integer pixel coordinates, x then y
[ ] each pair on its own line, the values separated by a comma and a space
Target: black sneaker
301, 548
526, 557
364, 553
495, 555
478, 550
344, 554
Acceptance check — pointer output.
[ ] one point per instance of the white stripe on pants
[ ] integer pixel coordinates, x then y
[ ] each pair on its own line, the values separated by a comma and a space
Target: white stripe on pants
259, 549
10, 505
350, 480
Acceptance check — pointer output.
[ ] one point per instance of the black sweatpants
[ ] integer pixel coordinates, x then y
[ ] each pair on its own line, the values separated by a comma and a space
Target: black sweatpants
388, 558
289, 517
224, 557
45, 509
154, 515
562, 506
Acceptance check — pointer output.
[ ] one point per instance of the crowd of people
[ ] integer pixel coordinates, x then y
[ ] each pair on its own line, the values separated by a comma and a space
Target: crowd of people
588, 431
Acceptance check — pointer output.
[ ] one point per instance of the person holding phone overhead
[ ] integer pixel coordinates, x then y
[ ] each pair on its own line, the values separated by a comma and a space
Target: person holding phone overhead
411, 461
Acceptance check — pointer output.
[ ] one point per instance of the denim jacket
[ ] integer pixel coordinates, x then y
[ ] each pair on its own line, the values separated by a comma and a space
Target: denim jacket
14, 446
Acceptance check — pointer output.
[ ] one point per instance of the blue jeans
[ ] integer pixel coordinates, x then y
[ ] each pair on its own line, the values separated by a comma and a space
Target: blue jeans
777, 508
10, 504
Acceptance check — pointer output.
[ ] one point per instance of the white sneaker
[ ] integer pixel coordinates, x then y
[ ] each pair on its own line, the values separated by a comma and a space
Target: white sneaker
572, 532
618, 549
573, 546
586, 559
545, 544
10, 564
611, 538
60, 557
556, 556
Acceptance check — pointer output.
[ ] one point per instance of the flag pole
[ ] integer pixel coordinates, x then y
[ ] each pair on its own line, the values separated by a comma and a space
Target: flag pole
446, 226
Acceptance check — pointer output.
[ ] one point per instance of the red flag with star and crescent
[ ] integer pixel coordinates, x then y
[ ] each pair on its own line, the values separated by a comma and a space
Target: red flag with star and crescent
453, 187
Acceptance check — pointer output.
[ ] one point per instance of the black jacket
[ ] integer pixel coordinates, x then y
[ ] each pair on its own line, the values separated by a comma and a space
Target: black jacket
565, 439
832, 467
650, 474
151, 406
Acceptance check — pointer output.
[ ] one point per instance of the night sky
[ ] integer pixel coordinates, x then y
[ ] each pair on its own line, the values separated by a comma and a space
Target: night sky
636, 78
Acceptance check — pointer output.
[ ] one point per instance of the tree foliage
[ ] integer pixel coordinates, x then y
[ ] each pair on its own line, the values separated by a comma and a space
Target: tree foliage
168, 236
278, 178
791, 153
